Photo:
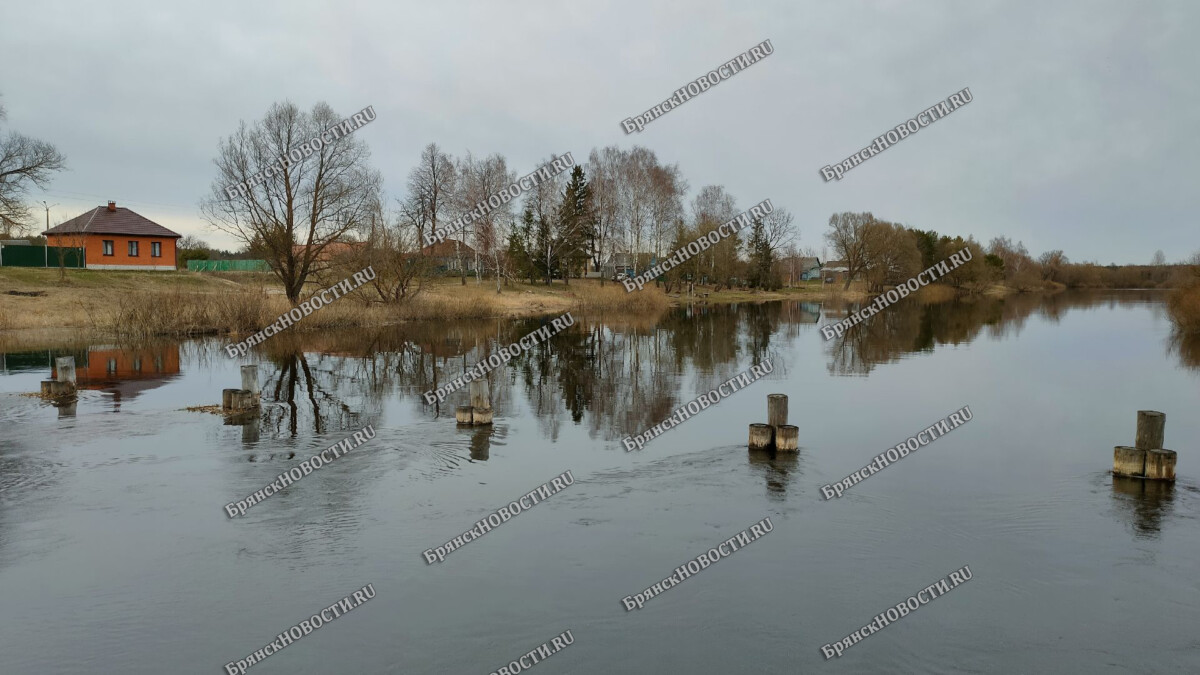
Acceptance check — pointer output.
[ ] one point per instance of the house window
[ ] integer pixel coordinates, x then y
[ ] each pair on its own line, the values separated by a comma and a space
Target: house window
112, 366
156, 249
133, 249
108, 247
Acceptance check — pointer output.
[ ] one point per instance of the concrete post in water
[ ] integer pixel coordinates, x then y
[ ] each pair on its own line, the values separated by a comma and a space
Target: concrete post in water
1147, 459
787, 437
1150, 427
463, 414
250, 382
65, 365
57, 390
481, 416
242, 399
235, 400
62, 386
1129, 461
762, 437
1160, 464
777, 409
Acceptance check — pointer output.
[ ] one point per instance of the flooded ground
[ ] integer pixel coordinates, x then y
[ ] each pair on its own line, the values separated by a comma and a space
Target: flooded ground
116, 555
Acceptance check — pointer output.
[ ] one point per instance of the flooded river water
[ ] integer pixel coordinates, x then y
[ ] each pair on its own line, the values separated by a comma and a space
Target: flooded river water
117, 556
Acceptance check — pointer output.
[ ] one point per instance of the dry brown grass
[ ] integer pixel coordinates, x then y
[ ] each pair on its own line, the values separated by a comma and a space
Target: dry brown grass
614, 298
1183, 305
177, 312
936, 293
471, 302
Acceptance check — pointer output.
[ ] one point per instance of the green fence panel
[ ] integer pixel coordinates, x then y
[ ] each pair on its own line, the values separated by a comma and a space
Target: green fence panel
228, 266
39, 256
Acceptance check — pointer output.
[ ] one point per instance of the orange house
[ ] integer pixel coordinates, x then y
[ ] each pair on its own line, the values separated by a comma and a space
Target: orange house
117, 239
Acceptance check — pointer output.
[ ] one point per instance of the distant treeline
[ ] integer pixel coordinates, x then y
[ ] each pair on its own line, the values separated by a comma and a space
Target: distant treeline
886, 254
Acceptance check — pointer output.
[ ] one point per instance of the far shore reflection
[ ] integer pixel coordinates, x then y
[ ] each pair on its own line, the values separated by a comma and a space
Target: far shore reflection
613, 374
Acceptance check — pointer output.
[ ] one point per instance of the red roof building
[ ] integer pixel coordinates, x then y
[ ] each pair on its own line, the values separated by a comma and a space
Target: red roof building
117, 239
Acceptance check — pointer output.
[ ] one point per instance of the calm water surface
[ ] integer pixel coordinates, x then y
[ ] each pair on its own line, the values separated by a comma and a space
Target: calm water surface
116, 555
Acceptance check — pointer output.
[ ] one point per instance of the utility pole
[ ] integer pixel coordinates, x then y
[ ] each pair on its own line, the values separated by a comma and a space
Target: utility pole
46, 248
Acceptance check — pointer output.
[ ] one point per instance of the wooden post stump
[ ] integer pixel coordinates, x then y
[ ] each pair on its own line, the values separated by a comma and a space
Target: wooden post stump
777, 409
1160, 464
1129, 461
250, 382
762, 436
241, 399
480, 397
1150, 427
227, 398
787, 438
481, 416
463, 414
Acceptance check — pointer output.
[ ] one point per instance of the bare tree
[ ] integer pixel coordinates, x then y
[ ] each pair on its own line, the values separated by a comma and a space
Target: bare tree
480, 179
603, 170
191, 242
891, 255
430, 189
1052, 264
667, 187
1159, 258
392, 248
545, 201
779, 226
712, 207
297, 211
635, 191
848, 235
24, 163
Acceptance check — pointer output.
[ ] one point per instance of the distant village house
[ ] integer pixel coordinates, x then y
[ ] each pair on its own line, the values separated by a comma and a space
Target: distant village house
444, 256
835, 271
115, 238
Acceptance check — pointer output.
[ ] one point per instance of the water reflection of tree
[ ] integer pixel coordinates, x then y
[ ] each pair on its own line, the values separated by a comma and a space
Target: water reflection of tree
911, 326
1186, 347
614, 375
327, 392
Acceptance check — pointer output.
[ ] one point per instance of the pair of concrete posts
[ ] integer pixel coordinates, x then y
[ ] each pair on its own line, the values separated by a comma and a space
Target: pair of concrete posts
479, 413
776, 434
62, 387
1147, 458
248, 397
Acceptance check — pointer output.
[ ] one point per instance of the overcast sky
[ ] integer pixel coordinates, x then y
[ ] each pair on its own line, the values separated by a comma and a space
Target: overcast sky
1082, 135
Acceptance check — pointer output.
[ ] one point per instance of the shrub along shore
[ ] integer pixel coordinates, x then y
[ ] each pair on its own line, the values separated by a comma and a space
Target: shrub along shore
105, 303
145, 304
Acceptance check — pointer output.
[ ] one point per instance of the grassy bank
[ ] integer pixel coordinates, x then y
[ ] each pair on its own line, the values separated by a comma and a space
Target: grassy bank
143, 304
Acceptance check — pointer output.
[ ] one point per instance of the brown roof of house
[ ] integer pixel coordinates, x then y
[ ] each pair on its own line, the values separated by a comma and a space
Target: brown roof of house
445, 249
121, 221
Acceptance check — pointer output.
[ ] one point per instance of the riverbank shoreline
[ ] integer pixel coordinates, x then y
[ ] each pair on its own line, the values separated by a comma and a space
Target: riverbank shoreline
36, 304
